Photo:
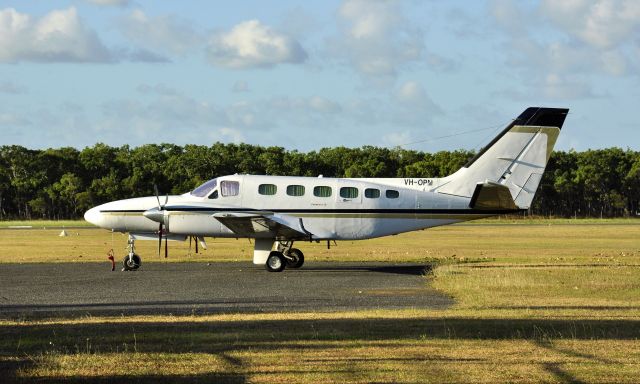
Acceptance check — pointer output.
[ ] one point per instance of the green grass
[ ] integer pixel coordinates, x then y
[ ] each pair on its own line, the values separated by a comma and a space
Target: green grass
542, 303
45, 223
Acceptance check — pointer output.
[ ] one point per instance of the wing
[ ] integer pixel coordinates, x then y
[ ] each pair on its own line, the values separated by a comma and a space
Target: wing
263, 224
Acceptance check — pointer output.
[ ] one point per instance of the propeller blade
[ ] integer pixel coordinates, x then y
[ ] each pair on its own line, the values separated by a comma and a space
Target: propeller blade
155, 189
166, 247
196, 246
159, 238
166, 200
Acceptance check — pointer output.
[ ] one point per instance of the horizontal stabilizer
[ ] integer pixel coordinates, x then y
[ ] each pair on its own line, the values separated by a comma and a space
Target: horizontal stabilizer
492, 196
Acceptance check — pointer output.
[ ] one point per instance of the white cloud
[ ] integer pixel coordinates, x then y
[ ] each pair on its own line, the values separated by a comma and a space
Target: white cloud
58, 36
251, 44
559, 46
119, 3
412, 96
411, 93
602, 23
564, 87
375, 38
229, 134
166, 34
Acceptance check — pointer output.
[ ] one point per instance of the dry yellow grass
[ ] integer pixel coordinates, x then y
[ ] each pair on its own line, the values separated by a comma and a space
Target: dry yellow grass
372, 346
534, 304
548, 244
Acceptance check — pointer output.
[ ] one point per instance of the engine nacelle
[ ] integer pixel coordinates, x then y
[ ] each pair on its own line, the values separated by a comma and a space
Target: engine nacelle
196, 224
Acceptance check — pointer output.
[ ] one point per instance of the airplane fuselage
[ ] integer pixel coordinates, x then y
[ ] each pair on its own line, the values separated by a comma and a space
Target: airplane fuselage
329, 208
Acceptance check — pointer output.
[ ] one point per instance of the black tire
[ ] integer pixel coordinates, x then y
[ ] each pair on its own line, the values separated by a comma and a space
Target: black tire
276, 262
133, 264
295, 258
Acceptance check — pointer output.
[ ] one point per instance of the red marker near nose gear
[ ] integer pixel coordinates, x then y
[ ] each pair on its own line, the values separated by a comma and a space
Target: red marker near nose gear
113, 261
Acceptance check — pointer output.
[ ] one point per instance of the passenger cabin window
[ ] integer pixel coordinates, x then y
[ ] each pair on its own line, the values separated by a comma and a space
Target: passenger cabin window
322, 191
392, 194
295, 190
372, 193
229, 188
267, 189
349, 192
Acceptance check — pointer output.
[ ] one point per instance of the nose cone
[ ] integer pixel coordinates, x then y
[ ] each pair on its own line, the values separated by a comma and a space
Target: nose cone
93, 216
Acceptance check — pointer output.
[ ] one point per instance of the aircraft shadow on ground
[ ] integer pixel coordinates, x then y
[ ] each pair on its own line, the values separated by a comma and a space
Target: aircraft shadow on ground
226, 339
415, 270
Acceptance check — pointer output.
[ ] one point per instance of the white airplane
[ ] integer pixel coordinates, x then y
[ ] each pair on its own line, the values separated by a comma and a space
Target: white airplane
277, 211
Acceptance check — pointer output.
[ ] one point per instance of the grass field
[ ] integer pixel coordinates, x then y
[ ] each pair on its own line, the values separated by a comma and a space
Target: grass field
534, 303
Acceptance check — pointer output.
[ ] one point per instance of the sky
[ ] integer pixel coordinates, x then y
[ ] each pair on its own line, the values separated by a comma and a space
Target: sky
423, 75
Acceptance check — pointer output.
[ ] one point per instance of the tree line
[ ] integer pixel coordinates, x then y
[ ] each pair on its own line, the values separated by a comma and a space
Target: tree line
62, 183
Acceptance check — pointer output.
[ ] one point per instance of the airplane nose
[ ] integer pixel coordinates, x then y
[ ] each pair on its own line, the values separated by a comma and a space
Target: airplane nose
93, 216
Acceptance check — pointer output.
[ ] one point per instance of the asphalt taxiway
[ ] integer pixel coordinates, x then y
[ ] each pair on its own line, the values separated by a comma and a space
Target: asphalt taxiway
61, 289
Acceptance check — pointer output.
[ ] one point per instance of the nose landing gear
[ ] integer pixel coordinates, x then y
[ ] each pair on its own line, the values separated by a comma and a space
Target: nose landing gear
131, 261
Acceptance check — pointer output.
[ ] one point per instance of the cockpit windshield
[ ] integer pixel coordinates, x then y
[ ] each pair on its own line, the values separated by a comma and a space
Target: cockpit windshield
205, 189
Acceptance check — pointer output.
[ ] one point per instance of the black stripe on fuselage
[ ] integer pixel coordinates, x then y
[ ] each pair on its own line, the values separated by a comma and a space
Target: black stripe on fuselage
363, 211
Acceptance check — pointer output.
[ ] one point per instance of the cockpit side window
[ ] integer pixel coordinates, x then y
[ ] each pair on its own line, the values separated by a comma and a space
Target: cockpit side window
229, 188
205, 189
214, 195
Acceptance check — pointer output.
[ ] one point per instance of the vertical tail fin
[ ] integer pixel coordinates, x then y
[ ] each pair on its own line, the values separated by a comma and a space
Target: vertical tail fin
515, 159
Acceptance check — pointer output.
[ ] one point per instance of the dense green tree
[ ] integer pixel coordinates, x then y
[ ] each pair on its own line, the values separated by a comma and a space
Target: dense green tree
64, 182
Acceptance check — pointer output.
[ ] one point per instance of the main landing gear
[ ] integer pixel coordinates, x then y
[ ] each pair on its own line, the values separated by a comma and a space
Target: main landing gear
284, 256
131, 261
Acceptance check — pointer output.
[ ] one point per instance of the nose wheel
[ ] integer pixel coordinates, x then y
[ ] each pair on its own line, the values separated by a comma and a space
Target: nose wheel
131, 262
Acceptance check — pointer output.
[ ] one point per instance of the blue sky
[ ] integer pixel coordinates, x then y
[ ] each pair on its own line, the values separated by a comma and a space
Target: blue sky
311, 74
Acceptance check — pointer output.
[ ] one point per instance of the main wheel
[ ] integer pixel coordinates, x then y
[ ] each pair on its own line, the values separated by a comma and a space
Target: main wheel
295, 258
131, 263
275, 262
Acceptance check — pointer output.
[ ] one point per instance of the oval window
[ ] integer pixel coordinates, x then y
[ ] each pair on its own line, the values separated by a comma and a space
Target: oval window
372, 193
267, 189
392, 194
322, 191
349, 192
295, 190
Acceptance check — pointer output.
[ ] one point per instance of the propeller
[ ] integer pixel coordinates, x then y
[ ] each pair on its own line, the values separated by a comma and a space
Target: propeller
161, 225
